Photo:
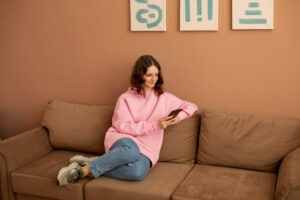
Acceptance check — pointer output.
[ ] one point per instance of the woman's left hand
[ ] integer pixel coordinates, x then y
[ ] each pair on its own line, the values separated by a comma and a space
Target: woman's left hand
175, 120
164, 122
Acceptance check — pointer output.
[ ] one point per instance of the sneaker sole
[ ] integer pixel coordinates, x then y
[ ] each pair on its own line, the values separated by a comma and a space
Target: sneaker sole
64, 170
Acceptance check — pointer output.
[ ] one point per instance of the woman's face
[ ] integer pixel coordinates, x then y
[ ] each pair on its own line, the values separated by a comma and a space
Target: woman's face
150, 78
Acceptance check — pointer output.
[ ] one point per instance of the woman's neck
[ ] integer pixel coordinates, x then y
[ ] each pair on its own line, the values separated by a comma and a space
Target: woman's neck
146, 90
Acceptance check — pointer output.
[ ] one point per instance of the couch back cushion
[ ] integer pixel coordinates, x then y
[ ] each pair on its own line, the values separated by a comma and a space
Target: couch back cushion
180, 141
82, 128
246, 141
77, 127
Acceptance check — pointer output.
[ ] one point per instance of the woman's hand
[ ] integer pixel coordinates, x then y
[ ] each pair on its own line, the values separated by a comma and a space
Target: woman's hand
164, 122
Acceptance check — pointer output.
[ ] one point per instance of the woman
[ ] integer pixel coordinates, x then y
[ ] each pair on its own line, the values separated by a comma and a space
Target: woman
133, 143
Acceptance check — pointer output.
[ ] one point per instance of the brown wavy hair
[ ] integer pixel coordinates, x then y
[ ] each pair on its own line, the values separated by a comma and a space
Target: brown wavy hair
140, 69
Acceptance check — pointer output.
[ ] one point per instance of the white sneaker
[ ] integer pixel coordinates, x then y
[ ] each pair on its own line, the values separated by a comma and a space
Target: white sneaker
69, 174
82, 160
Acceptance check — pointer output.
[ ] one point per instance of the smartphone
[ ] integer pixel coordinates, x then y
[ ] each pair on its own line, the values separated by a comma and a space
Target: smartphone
174, 113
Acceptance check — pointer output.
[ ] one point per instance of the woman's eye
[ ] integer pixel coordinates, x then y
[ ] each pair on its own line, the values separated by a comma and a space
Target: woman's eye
150, 75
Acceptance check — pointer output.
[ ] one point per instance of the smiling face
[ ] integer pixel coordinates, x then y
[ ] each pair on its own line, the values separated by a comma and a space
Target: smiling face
146, 75
150, 78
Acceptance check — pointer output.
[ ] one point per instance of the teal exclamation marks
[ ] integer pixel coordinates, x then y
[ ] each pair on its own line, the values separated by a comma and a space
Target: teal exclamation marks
187, 11
199, 10
210, 9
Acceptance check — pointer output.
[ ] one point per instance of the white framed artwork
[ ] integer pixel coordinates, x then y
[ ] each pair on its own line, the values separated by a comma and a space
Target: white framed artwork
199, 15
148, 15
252, 14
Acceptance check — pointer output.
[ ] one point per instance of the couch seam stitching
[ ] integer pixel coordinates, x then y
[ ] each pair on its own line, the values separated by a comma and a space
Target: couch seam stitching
182, 181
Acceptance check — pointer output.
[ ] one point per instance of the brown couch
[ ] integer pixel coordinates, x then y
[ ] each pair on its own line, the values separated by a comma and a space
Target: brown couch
235, 157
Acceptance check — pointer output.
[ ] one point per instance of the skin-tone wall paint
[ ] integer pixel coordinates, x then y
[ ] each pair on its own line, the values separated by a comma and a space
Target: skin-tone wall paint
83, 52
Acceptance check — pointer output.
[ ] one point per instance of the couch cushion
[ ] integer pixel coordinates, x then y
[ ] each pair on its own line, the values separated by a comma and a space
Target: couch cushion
40, 178
246, 141
67, 123
180, 141
215, 183
160, 182
20, 196
77, 127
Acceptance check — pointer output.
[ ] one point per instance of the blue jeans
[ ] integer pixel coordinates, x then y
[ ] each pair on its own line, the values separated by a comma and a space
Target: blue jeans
123, 161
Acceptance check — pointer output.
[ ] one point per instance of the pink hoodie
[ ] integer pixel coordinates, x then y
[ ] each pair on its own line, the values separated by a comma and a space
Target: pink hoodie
136, 117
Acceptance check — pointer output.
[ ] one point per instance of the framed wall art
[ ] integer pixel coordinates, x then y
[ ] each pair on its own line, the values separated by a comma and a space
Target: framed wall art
199, 15
252, 14
148, 15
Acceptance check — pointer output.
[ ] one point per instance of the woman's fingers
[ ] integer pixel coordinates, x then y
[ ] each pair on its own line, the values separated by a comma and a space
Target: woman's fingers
164, 122
173, 121
168, 118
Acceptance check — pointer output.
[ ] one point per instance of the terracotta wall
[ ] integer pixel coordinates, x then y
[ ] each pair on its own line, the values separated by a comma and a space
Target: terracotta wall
83, 51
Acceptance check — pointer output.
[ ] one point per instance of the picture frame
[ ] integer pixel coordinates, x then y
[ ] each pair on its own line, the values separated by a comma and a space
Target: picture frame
252, 14
148, 15
199, 15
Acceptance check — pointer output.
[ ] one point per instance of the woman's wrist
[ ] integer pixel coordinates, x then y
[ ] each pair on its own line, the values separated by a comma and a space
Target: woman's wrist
159, 124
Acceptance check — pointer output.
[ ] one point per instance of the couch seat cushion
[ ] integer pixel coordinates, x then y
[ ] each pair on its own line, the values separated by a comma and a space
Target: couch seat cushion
40, 178
160, 183
215, 183
20, 196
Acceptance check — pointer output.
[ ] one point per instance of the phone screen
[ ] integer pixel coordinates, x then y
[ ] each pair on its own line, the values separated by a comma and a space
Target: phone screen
174, 113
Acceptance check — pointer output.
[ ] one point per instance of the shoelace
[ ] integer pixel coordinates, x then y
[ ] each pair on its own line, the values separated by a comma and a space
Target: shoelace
74, 176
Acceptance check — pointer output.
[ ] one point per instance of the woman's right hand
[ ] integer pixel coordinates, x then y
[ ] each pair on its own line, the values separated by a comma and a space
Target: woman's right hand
164, 122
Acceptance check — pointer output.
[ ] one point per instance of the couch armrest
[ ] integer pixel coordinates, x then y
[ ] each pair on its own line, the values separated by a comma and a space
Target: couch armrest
288, 182
19, 150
